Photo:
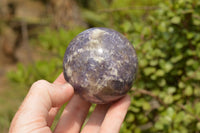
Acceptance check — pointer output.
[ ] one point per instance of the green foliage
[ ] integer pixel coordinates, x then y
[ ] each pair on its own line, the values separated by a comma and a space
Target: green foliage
55, 42
117, 14
168, 50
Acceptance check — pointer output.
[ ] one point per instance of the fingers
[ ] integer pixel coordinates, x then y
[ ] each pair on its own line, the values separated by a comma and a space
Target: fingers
104, 118
115, 116
73, 116
41, 97
60, 80
94, 123
53, 111
51, 94
44, 95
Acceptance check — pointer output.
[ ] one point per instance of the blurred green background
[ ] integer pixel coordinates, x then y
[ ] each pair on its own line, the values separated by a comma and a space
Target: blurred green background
165, 97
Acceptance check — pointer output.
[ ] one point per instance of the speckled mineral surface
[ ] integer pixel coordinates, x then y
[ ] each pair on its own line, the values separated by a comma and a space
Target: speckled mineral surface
100, 64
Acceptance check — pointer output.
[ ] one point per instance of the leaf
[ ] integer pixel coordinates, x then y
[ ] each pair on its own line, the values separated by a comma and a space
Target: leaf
176, 20
190, 35
159, 126
188, 90
153, 62
130, 117
198, 126
197, 91
149, 70
197, 108
162, 82
168, 99
179, 117
190, 62
143, 62
94, 18
179, 45
134, 109
137, 130
162, 26
196, 22
175, 59
177, 97
170, 112
167, 67
160, 73
126, 26
146, 106
171, 90
181, 84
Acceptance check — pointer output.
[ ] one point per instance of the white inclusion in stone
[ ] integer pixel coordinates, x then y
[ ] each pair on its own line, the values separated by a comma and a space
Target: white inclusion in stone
96, 33
69, 71
100, 50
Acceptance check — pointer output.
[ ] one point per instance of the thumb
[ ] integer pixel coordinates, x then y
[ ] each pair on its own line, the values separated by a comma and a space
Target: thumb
40, 99
44, 95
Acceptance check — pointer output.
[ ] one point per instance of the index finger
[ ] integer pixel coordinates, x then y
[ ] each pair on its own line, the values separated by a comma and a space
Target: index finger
115, 116
53, 111
60, 80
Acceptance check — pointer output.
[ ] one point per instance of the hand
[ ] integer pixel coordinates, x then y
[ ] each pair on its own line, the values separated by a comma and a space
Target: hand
43, 101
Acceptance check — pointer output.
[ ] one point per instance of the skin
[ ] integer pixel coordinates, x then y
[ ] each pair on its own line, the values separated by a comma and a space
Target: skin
39, 108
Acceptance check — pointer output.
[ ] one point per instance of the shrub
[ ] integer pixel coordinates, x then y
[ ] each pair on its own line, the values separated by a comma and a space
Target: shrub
52, 45
168, 87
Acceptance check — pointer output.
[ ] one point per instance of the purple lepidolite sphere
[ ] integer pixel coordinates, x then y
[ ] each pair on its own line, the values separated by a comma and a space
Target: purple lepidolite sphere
100, 64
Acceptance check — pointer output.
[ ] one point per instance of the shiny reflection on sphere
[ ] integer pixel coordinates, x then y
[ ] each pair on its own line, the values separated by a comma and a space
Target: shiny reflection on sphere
100, 64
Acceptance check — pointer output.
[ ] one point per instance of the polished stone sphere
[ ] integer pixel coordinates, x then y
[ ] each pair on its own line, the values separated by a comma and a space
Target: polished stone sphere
100, 64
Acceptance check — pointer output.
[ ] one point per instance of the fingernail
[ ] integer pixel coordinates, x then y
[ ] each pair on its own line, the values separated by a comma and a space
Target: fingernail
66, 85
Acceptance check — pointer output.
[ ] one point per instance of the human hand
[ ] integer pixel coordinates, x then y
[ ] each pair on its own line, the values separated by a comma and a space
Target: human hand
43, 101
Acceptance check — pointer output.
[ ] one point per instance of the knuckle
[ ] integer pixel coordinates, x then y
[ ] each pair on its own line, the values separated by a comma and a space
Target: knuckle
42, 81
40, 84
